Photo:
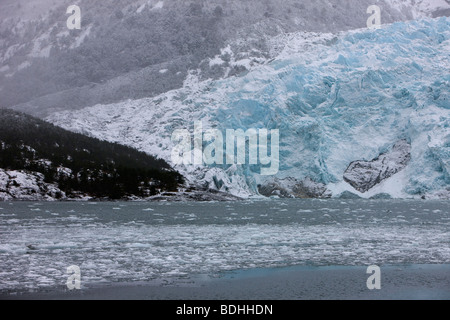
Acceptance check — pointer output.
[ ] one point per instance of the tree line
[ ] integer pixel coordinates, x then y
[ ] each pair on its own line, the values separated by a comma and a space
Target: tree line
98, 168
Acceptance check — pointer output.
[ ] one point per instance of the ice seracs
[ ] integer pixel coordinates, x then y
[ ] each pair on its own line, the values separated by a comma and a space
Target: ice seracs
335, 100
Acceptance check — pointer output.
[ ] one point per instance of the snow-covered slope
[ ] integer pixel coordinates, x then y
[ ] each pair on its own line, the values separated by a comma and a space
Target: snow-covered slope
336, 99
131, 49
22, 185
420, 8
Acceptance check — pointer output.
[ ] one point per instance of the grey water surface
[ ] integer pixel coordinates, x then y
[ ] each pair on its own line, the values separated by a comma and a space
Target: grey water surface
183, 244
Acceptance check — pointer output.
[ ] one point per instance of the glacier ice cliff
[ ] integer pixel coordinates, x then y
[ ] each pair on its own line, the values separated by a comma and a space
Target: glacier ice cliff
335, 98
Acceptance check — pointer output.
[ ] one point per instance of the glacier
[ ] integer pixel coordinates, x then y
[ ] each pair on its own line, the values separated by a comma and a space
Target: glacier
335, 99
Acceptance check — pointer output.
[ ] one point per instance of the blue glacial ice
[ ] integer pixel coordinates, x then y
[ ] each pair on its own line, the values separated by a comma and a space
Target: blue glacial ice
336, 99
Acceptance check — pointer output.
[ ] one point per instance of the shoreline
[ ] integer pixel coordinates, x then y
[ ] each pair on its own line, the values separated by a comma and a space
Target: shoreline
398, 282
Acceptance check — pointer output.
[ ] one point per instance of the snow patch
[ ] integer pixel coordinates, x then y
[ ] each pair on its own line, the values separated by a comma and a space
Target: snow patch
158, 5
29, 186
142, 7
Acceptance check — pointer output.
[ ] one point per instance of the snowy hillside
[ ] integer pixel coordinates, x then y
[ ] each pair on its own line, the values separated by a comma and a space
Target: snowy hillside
27, 186
132, 49
336, 99
41, 161
420, 8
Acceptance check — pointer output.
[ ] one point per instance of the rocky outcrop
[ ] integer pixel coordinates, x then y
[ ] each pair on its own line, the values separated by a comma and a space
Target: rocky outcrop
384, 196
23, 185
347, 195
364, 175
193, 194
293, 188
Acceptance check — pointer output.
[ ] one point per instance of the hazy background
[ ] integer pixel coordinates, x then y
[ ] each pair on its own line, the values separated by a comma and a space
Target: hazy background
133, 49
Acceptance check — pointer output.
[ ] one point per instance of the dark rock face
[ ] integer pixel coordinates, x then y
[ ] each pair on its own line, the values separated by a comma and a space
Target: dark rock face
293, 188
347, 195
381, 196
364, 175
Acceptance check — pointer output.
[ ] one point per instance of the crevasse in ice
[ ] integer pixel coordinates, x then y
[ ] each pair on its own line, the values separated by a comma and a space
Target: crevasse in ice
334, 98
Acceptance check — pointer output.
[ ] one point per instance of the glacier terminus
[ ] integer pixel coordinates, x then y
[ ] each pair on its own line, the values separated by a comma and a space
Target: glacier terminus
336, 99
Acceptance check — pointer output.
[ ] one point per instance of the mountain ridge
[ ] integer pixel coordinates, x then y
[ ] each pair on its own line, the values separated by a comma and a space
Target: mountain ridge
124, 45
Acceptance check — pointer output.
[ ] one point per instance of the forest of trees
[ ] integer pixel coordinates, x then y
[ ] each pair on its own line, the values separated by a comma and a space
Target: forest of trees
116, 46
98, 168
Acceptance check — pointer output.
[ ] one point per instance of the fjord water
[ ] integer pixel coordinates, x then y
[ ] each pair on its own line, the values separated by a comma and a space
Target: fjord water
122, 243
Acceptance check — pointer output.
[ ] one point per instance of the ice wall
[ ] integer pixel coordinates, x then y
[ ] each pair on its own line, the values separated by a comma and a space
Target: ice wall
335, 99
